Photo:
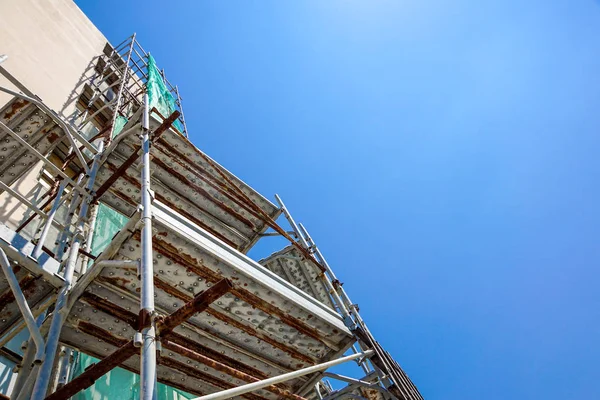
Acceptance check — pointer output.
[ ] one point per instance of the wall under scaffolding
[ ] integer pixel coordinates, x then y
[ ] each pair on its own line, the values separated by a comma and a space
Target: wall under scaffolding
127, 267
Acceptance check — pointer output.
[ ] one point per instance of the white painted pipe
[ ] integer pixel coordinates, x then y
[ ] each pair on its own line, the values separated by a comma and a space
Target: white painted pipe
58, 318
13, 282
250, 387
37, 251
148, 353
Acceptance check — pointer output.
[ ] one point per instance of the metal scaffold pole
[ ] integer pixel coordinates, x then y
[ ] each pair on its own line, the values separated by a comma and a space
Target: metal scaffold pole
58, 317
146, 316
169, 277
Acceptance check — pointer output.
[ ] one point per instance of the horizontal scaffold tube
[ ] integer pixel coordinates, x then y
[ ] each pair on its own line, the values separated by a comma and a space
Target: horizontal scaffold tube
240, 390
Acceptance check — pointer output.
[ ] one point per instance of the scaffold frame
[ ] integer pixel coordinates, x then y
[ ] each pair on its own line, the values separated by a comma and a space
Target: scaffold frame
178, 202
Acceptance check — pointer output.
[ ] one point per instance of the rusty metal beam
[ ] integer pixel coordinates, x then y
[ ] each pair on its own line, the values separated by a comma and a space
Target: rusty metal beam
168, 250
113, 178
226, 369
196, 305
134, 156
132, 181
165, 326
87, 379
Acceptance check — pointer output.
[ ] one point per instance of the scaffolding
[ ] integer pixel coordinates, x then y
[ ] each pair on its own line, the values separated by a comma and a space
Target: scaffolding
169, 293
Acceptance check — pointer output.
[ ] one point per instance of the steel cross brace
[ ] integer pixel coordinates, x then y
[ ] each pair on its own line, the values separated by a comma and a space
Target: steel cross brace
165, 326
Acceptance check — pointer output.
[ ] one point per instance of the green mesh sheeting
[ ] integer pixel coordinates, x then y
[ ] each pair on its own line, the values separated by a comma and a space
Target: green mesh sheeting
120, 122
108, 223
120, 384
158, 93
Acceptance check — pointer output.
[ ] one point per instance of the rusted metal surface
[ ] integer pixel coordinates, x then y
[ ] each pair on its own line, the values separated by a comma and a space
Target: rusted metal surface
196, 305
88, 377
300, 272
235, 189
32, 125
134, 156
262, 328
215, 382
165, 248
246, 328
226, 369
165, 326
164, 198
183, 179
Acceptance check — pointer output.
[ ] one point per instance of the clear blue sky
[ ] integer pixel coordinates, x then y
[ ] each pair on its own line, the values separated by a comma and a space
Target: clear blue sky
443, 153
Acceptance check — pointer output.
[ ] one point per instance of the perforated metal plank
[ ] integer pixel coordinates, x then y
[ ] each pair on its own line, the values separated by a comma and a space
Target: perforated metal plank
19, 249
35, 289
264, 326
189, 182
37, 278
294, 268
33, 126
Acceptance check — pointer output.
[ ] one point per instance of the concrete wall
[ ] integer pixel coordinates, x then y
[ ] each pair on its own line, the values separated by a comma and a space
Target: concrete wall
50, 44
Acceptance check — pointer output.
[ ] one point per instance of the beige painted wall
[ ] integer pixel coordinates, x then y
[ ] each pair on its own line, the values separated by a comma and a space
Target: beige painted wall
50, 44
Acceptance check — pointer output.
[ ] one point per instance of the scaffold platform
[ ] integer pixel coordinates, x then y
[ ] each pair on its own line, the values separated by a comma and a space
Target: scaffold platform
167, 291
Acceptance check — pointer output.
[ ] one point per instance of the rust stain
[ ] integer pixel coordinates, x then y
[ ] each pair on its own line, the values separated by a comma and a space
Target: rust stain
203, 175
136, 371
27, 286
115, 281
131, 319
268, 308
14, 108
162, 199
168, 250
100, 333
204, 193
195, 220
228, 320
215, 355
210, 379
220, 367
110, 308
53, 136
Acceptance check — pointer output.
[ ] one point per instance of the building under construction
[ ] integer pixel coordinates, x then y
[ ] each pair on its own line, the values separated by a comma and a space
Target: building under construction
123, 246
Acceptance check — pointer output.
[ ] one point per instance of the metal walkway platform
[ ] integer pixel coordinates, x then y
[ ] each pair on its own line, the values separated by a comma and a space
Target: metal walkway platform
173, 295
264, 326
189, 182
39, 280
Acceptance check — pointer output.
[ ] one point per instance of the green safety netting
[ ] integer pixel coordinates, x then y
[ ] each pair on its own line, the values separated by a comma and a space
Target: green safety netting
120, 122
118, 384
159, 95
108, 223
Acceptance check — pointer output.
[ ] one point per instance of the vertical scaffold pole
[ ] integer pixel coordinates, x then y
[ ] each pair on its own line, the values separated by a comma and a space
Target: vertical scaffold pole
37, 251
146, 318
58, 316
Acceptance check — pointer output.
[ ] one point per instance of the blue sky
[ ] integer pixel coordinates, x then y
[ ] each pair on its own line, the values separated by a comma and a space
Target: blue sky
444, 155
